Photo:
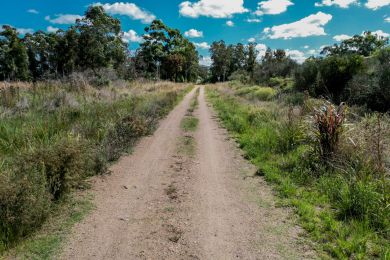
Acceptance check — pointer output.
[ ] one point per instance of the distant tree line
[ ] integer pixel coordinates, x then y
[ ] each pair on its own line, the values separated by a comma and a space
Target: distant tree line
95, 42
241, 62
356, 71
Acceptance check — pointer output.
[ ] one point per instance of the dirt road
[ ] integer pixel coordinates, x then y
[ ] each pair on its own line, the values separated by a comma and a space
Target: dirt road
163, 203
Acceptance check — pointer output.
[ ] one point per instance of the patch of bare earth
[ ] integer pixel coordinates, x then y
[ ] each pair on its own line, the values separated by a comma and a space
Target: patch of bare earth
163, 202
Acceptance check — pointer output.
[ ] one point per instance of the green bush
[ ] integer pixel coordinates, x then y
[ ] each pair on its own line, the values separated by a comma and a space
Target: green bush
24, 202
64, 164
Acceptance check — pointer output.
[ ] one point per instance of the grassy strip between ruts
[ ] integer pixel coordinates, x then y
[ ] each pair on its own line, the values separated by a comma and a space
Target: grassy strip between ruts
62, 137
274, 149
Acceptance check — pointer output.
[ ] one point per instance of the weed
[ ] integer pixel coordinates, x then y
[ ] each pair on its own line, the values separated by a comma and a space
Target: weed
189, 123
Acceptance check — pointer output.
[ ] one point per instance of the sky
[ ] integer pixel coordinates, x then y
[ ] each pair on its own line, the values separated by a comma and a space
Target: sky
301, 27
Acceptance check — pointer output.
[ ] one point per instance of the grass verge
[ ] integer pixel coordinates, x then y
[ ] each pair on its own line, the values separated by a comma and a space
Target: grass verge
63, 136
344, 210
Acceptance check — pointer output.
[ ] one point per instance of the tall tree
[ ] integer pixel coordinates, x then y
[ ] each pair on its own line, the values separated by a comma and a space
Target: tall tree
13, 55
100, 43
220, 57
167, 54
363, 45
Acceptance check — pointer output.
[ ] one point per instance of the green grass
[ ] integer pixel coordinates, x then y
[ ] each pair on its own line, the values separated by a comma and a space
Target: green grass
62, 137
47, 242
346, 215
189, 123
187, 145
257, 93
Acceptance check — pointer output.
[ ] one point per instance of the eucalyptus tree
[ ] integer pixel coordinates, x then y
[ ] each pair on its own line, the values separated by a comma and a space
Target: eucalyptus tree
13, 56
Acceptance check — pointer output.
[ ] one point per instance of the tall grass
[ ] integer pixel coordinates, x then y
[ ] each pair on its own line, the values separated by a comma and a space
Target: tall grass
342, 200
53, 136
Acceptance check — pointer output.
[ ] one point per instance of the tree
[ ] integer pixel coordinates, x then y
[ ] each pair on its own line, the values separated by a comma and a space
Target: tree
100, 43
66, 51
250, 61
166, 52
220, 57
41, 53
13, 56
364, 45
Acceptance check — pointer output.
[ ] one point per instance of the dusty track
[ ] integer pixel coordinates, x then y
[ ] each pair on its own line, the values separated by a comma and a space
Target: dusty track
161, 204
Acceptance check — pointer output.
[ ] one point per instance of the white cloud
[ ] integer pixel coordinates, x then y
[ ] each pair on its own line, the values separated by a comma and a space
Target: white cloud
193, 33
312, 52
340, 3
52, 29
202, 45
273, 7
341, 37
381, 33
306, 47
32, 11
253, 20
132, 36
205, 61
63, 18
296, 55
23, 31
230, 23
387, 19
251, 39
129, 9
376, 4
312, 25
261, 48
212, 8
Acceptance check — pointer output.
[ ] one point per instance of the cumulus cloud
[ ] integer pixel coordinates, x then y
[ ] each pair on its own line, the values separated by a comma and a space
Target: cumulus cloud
23, 31
261, 48
128, 9
32, 11
341, 37
312, 52
63, 18
193, 33
131, 36
376, 4
212, 8
312, 25
387, 19
273, 7
205, 61
339, 3
381, 33
296, 55
230, 23
306, 47
52, 29
253, 20
202, 45
251, 39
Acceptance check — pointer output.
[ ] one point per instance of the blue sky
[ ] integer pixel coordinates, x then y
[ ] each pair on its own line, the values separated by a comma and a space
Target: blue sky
300, 26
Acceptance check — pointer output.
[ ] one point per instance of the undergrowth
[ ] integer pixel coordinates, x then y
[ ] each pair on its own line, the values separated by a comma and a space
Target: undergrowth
52, 137
341, 194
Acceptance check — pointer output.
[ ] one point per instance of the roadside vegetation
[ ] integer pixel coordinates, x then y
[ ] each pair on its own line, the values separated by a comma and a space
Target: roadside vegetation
319, 131
329, 163
54, 136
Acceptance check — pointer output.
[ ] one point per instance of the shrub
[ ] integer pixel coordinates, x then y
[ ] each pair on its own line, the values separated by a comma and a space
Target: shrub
24, 202
64, 164
124, 134
328, 121
265, 93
